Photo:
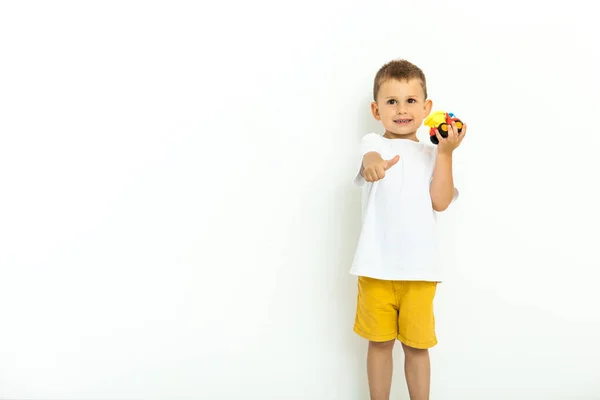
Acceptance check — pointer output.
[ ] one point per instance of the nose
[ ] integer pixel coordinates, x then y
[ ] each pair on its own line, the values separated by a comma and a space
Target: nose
401, 109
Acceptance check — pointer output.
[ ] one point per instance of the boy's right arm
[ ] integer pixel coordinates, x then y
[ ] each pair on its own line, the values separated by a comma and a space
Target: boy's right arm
374, 167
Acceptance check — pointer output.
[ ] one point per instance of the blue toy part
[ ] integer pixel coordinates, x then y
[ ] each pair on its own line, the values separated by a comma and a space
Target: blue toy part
451, 115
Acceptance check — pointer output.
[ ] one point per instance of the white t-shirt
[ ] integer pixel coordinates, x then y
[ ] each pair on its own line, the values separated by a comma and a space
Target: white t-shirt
398, 240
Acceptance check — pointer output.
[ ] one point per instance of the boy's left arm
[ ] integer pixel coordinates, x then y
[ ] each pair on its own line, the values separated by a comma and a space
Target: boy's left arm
442, 184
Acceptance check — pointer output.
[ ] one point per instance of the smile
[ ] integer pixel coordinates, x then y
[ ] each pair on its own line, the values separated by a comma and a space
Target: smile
403, 121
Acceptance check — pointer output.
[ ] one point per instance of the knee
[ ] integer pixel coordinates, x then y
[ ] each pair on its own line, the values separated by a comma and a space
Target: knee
382, 346
411, 352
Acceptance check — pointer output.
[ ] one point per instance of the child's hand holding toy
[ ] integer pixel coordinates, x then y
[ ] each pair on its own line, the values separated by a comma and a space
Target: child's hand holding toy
446, 131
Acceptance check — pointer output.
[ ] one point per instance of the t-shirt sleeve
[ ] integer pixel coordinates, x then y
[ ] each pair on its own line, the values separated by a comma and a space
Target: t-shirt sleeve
371, 142
455, 197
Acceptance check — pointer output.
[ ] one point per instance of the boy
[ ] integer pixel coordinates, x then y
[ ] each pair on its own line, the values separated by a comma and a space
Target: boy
405, 182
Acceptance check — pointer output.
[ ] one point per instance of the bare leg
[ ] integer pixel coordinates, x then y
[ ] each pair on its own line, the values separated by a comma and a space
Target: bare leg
379, 369
417, 371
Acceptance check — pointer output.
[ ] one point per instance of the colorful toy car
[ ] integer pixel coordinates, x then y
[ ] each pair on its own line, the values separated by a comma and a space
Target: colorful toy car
438, 121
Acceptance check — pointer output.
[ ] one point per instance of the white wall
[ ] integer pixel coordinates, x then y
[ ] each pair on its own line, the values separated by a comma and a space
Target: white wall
177, 217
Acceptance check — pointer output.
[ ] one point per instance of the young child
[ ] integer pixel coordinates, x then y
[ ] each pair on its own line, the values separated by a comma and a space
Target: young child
405, 183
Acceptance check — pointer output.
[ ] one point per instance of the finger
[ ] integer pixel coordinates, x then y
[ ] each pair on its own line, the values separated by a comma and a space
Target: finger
373, 175
452, 131
462, 134
366, 175
380, 173
439, 136
392, 162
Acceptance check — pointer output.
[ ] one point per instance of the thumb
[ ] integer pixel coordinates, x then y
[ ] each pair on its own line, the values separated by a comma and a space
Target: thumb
392, 162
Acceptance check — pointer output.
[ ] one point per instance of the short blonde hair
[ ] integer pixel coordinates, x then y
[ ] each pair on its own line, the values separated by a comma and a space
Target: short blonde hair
399, 70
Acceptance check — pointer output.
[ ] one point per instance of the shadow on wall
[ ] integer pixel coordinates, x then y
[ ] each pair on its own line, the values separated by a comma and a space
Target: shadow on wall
348, 196
348, 220
352, 347
366, 122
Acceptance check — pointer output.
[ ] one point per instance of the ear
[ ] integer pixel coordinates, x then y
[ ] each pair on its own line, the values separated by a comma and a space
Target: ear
428, 106
375, 111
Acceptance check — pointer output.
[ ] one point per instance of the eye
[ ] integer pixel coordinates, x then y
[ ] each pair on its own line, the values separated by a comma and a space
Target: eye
391, 101
412, 101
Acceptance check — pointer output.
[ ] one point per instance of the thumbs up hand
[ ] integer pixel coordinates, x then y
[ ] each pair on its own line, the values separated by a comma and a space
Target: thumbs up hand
374, 166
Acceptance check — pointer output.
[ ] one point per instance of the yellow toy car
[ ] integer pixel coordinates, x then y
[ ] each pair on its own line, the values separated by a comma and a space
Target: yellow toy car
438, 121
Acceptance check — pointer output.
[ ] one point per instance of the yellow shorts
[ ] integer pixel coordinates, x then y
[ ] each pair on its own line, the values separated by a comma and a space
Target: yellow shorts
403, 310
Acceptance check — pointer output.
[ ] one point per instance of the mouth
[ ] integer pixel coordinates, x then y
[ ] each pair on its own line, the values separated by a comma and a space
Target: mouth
403, 121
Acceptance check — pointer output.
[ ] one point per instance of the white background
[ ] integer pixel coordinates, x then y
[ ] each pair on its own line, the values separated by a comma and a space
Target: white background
177, 215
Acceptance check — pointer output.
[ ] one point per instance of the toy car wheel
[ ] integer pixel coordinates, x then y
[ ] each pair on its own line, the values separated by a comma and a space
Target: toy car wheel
432, 136
459, 125
443, 130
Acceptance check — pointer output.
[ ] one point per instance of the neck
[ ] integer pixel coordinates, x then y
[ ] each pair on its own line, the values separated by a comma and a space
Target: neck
409, 136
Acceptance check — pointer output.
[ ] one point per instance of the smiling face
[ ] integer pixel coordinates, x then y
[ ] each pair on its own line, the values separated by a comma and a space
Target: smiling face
401, 107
